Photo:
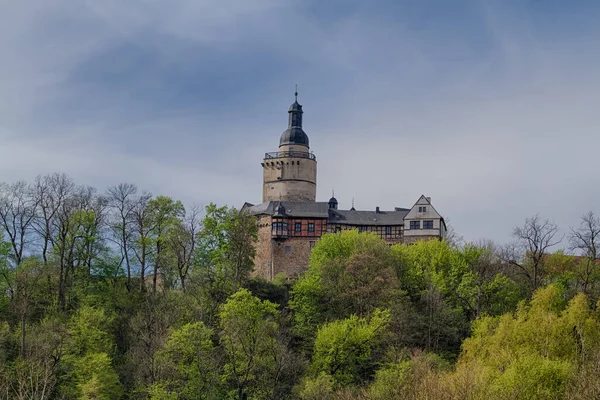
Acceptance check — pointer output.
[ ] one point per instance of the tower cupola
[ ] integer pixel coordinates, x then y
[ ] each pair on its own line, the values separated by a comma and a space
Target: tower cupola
290, 174
294, 134
333, 203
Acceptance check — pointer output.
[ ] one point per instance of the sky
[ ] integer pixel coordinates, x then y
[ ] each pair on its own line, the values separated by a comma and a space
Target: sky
488, 107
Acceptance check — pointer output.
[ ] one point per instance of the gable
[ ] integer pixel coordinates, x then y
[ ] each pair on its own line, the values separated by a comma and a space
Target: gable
417, 213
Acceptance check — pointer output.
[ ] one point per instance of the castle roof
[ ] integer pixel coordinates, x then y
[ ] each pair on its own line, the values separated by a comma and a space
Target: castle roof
301, 209
294, 135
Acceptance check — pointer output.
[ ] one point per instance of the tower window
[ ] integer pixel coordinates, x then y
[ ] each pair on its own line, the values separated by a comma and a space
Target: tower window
311, 227
415, 224
427, 224
298, 227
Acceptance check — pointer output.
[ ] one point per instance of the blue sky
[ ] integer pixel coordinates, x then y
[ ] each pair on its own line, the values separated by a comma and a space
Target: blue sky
489, 107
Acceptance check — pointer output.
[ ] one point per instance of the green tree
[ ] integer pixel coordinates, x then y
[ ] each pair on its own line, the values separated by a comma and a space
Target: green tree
533, 353
89, 370
344, 348
349, 273
249, 336
164, 215
224, 255
188, 362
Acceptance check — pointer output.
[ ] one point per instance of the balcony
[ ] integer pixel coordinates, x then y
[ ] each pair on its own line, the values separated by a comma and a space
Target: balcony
286, 154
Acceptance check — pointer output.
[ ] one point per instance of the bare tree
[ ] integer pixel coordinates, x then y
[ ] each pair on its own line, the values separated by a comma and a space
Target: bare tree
182, 240
121, 199
586, 241
533, 240
17, 213
453, 238
50, 192
142, 229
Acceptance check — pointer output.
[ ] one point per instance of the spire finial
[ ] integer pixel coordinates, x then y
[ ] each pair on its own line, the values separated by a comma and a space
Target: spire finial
332, 192
353, 202
296, 93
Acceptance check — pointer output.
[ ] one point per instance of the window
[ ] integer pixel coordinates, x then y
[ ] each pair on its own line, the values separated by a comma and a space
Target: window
427, 224
311, 227
388, 230
415, 224
311, 244
298, 227
423, 209
287, 249
280, 226
338, 229
362, 228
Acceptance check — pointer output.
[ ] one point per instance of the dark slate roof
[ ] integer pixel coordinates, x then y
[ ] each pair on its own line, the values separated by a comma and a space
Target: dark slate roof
349, 217
322, 210
295, 106
292, 209
294, 135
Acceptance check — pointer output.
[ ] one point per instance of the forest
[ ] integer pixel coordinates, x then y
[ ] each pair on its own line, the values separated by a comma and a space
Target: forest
124, 295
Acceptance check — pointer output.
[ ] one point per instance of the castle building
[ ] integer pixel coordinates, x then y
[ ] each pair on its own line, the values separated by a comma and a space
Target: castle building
290, 220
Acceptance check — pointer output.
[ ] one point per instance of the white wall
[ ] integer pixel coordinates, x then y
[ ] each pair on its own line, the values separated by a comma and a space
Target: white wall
430, 214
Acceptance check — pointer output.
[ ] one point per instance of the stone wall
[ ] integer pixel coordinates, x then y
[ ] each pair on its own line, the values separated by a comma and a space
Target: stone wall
294, 260
262, 259
289, 179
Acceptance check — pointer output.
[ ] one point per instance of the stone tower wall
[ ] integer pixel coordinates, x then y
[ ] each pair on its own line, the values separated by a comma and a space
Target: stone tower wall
289, 179
263, 259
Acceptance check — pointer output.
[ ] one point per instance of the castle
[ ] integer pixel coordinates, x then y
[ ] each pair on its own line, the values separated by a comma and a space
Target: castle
290, 220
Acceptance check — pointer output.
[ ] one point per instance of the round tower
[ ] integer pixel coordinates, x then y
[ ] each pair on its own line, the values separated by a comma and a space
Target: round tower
290, 174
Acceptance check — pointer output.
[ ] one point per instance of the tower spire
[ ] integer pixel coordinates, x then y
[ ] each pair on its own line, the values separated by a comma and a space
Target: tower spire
296, 94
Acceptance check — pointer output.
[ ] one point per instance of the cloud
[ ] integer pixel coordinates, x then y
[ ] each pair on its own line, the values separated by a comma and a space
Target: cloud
488, 108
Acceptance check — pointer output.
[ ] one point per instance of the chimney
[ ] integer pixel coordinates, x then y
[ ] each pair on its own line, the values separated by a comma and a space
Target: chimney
428, 199
377, 210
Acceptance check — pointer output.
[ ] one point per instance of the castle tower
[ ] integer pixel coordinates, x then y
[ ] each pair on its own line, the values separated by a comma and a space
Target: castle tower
290, 174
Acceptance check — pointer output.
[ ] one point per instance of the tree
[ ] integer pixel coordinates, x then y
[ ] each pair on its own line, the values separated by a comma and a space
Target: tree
141, 235
121, 199
533, 354
349, 273
188, 362
344, 348
224, 254
17, 215
50, 192
27, 293
182, 239
249, 332
586, 241
90, 373
164, 214
533, 241
78, 240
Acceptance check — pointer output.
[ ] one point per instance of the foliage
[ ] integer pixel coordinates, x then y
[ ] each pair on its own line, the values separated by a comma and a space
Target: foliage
123, 295
343, 349
188, 362
249, 332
